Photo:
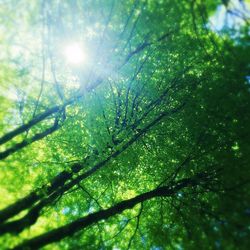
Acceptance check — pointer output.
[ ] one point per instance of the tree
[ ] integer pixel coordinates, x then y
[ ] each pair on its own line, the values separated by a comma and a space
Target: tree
128, 126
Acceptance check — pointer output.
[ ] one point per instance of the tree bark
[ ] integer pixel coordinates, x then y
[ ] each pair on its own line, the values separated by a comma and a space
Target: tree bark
81, 223
25, 127
52, 194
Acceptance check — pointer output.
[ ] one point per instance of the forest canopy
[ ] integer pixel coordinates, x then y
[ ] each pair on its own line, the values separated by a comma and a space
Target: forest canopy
124, 124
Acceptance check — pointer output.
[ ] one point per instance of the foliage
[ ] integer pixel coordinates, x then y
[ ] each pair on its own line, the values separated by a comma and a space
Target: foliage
144, 145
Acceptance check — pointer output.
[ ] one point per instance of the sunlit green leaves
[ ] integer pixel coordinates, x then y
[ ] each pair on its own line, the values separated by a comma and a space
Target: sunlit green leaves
145, 59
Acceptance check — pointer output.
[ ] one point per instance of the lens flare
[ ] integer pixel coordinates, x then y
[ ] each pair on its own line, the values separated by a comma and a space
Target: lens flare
74, 53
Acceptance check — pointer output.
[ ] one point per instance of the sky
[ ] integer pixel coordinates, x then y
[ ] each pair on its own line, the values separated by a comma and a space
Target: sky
231, 16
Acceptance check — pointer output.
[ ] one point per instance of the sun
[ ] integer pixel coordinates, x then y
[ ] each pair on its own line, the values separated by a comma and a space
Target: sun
74, 53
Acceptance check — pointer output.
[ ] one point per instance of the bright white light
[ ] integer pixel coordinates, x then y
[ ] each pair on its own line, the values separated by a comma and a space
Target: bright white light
74, 53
